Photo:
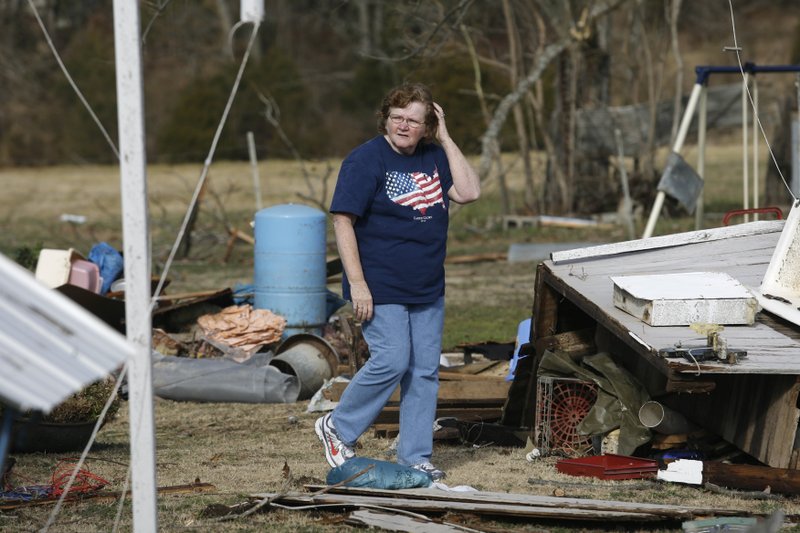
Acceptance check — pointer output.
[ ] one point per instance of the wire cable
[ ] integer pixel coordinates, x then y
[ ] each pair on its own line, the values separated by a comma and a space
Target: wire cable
77, 467
71, 81
203, 175
738, 50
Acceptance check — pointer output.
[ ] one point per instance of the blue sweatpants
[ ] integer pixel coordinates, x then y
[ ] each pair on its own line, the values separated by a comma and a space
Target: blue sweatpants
405, 344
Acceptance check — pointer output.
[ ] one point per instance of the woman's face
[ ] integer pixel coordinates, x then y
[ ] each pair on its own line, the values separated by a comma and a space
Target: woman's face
405, 127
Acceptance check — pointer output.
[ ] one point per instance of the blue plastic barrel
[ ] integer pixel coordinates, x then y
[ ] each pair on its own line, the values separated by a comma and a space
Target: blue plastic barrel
290, 266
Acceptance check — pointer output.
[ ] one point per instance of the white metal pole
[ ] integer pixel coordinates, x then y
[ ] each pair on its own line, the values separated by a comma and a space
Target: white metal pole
676, 147
136, 245
745, 169
626, 193
755, 148
251, 148
699, 212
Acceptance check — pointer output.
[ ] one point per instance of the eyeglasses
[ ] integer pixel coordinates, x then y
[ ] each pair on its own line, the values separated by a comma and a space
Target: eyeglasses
413, 124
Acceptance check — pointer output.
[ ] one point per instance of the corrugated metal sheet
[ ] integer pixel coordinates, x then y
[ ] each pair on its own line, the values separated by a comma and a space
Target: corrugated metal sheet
50, 347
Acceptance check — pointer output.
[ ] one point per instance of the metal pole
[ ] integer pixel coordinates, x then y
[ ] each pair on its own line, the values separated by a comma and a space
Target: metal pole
755, 148
702, 120
623, 176
745, 168
676, 147
251, 148
136, 245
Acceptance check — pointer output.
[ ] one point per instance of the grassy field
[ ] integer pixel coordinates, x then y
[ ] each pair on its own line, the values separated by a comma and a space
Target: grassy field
242, 448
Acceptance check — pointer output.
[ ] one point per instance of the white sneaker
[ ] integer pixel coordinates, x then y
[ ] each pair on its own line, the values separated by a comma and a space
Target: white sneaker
336, 451
431, 470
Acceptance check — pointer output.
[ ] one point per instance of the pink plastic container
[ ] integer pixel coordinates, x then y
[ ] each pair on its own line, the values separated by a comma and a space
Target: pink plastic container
85, 274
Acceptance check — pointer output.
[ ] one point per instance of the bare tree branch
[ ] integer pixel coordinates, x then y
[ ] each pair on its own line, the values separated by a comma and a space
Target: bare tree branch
272, 115
457, 12
508, 102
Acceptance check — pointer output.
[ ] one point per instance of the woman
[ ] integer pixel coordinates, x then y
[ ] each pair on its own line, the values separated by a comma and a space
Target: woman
390, 216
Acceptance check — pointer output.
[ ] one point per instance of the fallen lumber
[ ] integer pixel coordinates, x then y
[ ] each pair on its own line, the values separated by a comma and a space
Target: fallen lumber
391, 414
399, 522
475, 258
441, 507
488, 390
752, 477
535, 501
498, 504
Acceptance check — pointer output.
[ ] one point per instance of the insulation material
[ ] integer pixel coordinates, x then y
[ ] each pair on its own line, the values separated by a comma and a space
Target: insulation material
243, 327
685, 298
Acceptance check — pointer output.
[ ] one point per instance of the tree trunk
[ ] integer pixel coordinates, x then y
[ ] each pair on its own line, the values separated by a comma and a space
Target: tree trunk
496, 155
519, 118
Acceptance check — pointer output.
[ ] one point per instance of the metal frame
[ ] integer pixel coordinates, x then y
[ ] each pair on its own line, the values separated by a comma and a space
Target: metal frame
698, 97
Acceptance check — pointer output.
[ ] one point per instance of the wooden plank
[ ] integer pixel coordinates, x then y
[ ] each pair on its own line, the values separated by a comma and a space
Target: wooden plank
392, 430
752, 477
475, 507
449, 391
399, 522
757, 413
535, 501
667, 241
575, 344
475, 258
470, 369
447, 375
391, 413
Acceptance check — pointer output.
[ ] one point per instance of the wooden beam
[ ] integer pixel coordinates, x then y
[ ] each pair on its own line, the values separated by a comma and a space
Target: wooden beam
446, 375
575, 344
391, 414
505, 504
752, 477
449, 391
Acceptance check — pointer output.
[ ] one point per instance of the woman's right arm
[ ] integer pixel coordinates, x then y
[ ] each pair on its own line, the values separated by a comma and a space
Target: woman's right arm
351, 261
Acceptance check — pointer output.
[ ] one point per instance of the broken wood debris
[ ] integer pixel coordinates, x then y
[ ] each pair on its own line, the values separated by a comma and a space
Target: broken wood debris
438, 502
752, 477
467, 392
475, 258
400, 522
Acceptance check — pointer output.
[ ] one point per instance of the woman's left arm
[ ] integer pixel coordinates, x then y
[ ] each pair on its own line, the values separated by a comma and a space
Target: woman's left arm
466, 184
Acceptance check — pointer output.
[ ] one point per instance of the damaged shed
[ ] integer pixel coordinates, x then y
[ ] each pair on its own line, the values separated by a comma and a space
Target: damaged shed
749, 397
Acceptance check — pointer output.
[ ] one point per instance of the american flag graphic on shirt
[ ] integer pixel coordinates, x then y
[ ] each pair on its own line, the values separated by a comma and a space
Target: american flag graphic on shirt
414, 189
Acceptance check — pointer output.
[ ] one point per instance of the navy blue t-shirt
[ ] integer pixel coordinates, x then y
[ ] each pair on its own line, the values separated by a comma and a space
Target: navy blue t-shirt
402, 208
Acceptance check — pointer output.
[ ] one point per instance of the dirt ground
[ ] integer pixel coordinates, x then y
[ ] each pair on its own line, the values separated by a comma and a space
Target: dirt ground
243, 449
246, 449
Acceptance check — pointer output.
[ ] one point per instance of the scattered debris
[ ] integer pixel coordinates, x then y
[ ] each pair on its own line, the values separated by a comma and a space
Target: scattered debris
243, 327
191, 488
434, 502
